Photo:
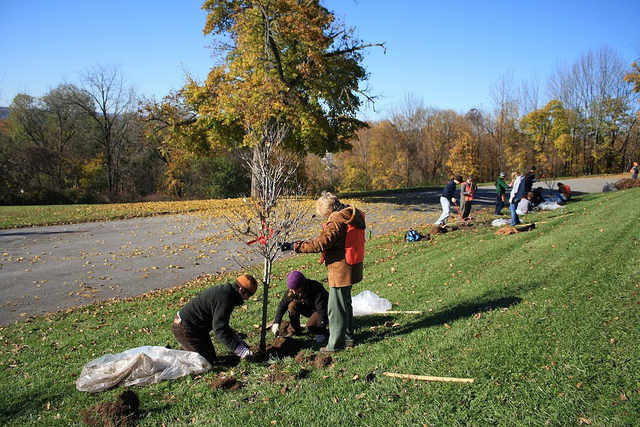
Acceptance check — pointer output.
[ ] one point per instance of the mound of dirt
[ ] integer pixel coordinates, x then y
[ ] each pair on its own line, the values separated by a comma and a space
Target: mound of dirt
279, 348
279, 375
120, 413
226, 383
286, 330
627, 183
319, 361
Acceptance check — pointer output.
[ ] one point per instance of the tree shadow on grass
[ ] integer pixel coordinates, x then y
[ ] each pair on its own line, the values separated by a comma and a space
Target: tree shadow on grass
364, 324
26, 403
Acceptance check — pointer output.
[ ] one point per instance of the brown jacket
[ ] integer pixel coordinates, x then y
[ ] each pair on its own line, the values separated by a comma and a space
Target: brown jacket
331, 242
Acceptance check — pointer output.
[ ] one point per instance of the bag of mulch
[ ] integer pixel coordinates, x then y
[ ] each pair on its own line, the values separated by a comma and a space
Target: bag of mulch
139, 366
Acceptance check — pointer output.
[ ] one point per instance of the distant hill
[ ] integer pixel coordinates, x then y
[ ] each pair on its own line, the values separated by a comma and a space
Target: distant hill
4, 112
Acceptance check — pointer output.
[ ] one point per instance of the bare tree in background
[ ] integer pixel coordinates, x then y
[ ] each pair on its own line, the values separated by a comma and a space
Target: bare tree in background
111, 107
276, 210
409, 119
594, 88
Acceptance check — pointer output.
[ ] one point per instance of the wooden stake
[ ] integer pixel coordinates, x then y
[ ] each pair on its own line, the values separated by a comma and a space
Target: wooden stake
429, 378
397, 312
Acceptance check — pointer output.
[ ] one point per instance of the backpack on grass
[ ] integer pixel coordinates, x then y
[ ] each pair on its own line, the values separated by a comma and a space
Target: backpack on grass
412, 236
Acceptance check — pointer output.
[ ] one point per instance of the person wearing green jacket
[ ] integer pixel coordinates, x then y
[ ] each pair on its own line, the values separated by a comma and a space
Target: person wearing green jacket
501, 187
210, 311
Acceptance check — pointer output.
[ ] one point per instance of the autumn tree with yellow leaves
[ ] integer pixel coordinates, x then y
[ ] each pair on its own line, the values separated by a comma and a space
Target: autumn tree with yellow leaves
286, 72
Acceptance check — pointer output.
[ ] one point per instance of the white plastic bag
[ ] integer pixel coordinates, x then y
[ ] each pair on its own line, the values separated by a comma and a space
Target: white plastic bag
139, 366
549, 206
499, 222
366, 302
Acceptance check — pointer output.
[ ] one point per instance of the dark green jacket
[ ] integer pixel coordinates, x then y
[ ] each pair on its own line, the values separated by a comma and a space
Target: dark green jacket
211, 310
501, 186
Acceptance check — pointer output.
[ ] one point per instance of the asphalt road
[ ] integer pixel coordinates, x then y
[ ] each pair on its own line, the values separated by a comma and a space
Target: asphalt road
47, 269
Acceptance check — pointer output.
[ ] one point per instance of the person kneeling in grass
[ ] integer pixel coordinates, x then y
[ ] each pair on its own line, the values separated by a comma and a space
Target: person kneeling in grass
209, 311
304, 297
525, 205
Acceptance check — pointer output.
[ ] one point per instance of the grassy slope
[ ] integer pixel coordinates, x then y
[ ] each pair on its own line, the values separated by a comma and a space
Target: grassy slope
545, 321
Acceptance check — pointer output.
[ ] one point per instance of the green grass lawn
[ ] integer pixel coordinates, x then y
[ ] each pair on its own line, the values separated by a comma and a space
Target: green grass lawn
545, 321
30, 216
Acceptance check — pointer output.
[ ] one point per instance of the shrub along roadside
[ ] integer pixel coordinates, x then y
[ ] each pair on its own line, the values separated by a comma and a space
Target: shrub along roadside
545, 321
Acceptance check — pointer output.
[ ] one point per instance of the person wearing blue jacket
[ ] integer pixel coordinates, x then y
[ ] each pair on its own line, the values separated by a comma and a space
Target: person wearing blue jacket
446, 199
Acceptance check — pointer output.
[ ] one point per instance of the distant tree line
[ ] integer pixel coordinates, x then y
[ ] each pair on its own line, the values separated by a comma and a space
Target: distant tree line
587, 125
86, 142
95, 141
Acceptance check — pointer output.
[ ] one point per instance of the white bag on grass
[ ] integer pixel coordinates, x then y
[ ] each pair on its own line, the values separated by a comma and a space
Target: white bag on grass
139, 366
366, 302
499, 222
549, 206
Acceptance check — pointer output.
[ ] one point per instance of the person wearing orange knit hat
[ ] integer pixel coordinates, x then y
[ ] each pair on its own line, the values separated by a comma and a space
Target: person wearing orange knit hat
210, 311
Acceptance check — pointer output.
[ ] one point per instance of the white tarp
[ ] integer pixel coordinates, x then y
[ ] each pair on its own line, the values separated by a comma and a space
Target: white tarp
549, 206
367, 302
139, 366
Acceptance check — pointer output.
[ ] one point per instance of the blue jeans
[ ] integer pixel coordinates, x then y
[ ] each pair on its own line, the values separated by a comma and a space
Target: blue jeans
499, 204
446, 211
514, 216
560, 199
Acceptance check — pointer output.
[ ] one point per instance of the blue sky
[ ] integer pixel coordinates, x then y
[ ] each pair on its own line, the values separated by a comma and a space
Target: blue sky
446, 53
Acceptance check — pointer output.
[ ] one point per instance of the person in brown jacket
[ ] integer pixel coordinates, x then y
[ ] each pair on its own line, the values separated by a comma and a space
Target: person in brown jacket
341, 243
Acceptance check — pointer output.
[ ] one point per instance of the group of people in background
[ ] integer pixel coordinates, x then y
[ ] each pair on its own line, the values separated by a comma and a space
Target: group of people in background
522, 198
330, 313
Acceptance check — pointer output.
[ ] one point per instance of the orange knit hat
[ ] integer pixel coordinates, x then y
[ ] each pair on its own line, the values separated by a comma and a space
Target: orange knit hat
248, 282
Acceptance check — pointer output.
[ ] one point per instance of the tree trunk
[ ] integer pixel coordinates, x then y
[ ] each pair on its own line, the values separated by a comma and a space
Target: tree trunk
266, 280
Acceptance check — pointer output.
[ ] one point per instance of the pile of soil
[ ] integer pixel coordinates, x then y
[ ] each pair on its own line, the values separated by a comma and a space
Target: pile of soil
120, 413
627, 183
318, 361
280, 376
280, 347
226, 383
286, 330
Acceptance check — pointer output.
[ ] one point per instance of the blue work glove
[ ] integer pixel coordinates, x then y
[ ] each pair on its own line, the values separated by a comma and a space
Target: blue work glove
242, 352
